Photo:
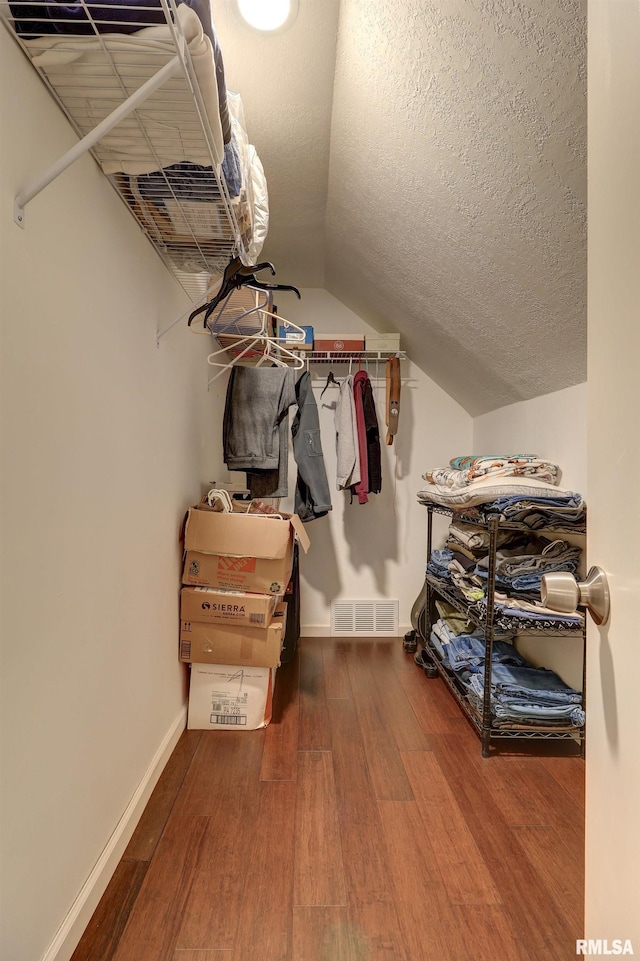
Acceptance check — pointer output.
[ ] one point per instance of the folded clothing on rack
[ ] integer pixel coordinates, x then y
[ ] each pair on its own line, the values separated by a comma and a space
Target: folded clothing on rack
520, 570
526, 693
528, 500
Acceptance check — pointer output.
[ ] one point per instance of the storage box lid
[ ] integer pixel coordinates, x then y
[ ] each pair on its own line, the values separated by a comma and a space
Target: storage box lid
242, 535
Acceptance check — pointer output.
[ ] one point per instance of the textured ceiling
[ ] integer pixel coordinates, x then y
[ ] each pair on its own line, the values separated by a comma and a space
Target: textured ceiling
426, 162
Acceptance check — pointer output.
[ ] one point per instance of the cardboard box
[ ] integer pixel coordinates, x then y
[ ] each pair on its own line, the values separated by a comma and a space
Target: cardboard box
224, 697
339, 343
294, 339
228, 607
242, 552
237, 644
382, 341
236, 344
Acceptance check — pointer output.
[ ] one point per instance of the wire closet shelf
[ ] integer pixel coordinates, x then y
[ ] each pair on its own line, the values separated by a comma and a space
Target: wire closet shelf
349, 357
143, 100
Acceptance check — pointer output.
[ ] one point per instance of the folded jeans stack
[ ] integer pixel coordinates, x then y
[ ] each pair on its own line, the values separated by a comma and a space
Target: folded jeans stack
526, 694
520, 571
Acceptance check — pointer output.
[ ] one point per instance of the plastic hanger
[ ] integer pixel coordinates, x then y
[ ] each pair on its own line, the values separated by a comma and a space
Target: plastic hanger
229, 318
330, 380
236, 274
273, 350
248, 280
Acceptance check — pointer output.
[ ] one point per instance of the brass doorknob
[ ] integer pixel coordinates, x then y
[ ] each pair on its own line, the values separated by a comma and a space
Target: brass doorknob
561, 592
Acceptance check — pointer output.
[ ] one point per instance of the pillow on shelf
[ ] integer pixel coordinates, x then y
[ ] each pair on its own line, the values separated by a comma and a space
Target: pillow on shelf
486, 490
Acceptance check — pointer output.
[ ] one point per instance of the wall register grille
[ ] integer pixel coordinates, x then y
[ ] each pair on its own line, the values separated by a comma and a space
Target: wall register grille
364, 618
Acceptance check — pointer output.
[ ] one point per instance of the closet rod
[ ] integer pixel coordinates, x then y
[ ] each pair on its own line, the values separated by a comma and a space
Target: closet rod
92, 138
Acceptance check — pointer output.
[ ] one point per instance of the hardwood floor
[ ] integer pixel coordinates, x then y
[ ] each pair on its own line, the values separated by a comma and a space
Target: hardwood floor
362, 824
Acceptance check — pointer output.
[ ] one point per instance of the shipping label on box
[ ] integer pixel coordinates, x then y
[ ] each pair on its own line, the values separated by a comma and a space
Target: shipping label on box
239, 644
230, 607
224, 697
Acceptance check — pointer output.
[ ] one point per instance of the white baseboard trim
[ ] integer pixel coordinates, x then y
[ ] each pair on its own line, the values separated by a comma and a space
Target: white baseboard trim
324, 630
70, 931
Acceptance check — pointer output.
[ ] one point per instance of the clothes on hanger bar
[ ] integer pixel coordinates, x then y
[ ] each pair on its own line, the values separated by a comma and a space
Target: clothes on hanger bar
347, 451
362, 487
312, 497
255, 426
368, 439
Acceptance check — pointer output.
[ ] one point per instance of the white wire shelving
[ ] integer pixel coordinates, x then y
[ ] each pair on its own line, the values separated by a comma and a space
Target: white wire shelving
143, 100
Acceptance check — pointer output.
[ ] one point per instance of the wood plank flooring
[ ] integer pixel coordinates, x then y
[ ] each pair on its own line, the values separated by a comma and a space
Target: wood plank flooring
361, 825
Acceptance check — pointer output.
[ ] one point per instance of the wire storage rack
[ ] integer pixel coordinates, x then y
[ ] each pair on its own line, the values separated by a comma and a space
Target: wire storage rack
479, 710
140, 85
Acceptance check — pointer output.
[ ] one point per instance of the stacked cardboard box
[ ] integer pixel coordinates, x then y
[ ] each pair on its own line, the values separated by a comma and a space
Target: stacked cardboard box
236, 570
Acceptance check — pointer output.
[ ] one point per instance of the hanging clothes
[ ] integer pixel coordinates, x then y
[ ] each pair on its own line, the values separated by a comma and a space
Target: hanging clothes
348, 454
312, 497
368, 439
255, 426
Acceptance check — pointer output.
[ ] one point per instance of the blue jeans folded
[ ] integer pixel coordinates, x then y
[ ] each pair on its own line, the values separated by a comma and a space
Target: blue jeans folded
529, 679
515, 711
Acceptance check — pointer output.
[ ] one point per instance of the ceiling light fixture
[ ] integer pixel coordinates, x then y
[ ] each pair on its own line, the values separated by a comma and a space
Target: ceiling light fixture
269, 16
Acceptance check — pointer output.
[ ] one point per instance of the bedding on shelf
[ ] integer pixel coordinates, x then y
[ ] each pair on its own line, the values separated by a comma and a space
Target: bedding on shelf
88, 74
33, 20
181, 206
159, 157
517, 497
464, 471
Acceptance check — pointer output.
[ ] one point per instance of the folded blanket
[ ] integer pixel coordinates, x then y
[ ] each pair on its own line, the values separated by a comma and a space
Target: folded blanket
167, 129
486, 466
115, 16
466, 461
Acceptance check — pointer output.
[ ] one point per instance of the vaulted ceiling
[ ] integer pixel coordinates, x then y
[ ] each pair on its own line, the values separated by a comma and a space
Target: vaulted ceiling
426, 164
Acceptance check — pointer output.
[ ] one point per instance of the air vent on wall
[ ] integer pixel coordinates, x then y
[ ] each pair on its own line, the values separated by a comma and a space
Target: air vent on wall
364, 618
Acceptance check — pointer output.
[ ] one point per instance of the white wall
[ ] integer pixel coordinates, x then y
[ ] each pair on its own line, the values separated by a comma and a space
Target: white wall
375, 550
105, 440
553, 426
